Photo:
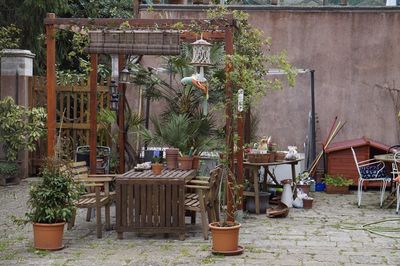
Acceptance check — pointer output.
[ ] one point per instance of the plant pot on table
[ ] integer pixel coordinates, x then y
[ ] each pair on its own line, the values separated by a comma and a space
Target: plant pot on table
171, 156
185, 162
156, 168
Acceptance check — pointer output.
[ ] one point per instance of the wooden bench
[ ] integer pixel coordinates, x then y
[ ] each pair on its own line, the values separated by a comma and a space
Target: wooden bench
97, 195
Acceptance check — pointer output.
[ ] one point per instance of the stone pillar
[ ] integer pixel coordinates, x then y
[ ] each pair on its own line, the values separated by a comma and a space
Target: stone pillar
16, 69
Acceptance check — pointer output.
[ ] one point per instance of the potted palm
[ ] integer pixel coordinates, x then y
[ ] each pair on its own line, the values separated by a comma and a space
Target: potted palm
20, 128
51, 204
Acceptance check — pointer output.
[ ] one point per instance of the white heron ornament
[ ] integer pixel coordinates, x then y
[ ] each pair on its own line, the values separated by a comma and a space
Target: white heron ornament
200, 59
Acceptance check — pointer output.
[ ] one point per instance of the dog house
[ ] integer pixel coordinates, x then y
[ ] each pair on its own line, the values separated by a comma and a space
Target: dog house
340, 158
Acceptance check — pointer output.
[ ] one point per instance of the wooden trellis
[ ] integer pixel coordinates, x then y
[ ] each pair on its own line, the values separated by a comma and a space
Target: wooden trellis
72, 110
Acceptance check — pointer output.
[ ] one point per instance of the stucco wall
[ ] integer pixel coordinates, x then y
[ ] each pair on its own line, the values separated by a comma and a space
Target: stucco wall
353, 52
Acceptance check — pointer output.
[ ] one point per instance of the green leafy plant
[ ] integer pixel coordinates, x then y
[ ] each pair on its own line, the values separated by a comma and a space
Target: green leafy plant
20, 127
52, 198
9, 37
157, 160
337, 181
7, 168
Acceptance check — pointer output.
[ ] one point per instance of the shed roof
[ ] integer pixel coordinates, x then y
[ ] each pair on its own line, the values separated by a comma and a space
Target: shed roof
343, 145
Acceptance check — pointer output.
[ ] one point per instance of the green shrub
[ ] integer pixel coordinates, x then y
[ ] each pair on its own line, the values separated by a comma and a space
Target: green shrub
52, 198
8, 168
337, 181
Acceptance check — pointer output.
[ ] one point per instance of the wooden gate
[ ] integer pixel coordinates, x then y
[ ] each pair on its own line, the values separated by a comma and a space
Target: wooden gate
72, 115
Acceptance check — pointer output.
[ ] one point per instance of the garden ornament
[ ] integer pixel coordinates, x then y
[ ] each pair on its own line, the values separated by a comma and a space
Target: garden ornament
200, 59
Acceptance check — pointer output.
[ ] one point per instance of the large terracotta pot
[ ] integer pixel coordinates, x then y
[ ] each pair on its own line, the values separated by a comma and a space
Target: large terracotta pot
185, 163
224, 239
48, 236
171, 156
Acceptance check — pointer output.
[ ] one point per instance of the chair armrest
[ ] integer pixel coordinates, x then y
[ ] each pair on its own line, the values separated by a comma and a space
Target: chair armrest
95, 179
102, 175
93, 185
197, 187
197, 182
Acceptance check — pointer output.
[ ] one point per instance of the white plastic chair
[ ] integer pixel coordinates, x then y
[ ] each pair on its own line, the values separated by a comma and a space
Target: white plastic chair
370, 170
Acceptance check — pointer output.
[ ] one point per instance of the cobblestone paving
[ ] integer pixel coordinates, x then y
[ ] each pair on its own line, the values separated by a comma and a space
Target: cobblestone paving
305, 237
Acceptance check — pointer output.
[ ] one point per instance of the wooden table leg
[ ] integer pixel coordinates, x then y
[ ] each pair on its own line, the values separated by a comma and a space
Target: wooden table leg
256, 190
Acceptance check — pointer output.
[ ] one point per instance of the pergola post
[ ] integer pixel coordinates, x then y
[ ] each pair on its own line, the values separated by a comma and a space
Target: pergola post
229, 125
121, 117
51, 85
93, 113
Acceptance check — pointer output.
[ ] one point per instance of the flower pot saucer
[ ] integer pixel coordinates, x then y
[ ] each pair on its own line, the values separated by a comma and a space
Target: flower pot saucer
239, 251
52, 249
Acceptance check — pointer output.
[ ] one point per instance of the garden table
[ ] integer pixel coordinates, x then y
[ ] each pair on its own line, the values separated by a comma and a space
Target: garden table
391, 198
253, 167
147, 203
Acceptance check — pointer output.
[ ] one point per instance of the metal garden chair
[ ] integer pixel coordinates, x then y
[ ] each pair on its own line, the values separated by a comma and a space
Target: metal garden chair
370, 170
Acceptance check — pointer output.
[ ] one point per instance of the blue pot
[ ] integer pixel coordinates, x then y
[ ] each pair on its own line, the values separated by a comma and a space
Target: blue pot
320, 187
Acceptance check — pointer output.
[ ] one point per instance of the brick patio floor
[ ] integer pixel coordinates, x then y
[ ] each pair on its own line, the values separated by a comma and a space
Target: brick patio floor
305, 237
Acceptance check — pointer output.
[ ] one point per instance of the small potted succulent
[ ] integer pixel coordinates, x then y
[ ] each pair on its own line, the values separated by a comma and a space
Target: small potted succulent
156, 165
337, 184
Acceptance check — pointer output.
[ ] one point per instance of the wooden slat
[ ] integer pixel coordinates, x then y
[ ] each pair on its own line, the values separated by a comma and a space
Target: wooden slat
130, 205
123, 204
168, 204
174, 209
156, 204
181, 206
149, 203
137, 205
162, 205
142, 205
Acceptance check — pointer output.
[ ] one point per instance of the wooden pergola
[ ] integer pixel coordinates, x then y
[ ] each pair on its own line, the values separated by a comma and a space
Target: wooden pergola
222, 30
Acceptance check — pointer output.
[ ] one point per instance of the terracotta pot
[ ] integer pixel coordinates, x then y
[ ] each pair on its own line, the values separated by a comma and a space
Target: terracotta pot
224, 238
48, 236
171, 156
196, 162
185, 163
330, 189
156, 168
305, 188
307, 203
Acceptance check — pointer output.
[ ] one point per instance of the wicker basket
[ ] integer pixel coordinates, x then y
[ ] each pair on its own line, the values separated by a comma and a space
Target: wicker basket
260, 158
280, 156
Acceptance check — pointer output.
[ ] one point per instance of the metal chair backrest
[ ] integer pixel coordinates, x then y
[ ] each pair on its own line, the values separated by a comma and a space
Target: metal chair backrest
356, 161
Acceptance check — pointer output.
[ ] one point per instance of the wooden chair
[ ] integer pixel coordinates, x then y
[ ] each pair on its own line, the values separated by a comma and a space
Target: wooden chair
205, 200
97, 195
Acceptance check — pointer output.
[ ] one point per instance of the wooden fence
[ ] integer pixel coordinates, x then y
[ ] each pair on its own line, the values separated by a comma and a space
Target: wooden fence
72, 116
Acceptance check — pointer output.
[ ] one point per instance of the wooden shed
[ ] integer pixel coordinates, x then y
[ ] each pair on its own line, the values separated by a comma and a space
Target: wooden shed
340, 158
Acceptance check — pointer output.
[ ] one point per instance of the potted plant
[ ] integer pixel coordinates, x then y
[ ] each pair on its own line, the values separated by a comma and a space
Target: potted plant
225, 232
337, 184
20, 128
51, 204
156, 166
